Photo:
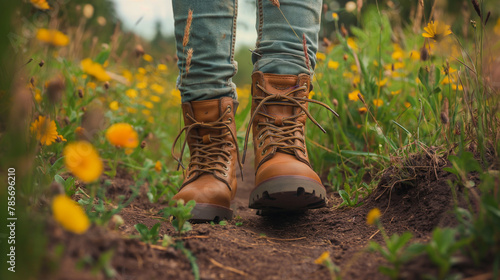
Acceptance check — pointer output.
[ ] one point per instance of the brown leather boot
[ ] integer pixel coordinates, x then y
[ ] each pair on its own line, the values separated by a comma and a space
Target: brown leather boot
284, 179
211, 175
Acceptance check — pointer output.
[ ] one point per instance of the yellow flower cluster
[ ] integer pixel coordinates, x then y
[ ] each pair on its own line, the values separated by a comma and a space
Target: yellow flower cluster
69, 214
40, 4
52, 36
83, 161
122, 135
45, 131
94, 69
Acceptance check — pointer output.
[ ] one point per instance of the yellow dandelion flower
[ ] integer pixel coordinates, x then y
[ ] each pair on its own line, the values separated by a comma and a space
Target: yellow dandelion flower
311, 94
162, 67
157, 88
141, 70
320, 56
353, 96
378, 102
362, 110
352, 44
83, 161
436, 30
45, 130
147, 57
131, 110
40, 4
155, 98
38, 95
335, 16
354, 68
131, 93
333, 64
52, 36
122, 135
148, 104
69, 214
151, 119
373, 216
407, 104
91, 85
142, 85
146, 112
114, 105
324, 257
396, 92
415, 55
158, 166
128, 75
94, 69
455, 87
381, 83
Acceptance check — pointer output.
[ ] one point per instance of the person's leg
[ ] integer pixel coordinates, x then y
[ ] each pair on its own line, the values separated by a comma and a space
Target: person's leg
279, 48
212, 36
209, 104
281, 83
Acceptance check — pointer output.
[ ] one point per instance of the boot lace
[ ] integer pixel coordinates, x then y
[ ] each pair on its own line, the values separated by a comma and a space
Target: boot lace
283, 129
207, 152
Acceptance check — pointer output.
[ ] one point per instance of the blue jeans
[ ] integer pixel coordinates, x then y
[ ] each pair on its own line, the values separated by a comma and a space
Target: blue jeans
279, 49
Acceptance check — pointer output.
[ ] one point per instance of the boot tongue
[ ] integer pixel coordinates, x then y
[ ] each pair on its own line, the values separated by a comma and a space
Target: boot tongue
206, 111
280, 85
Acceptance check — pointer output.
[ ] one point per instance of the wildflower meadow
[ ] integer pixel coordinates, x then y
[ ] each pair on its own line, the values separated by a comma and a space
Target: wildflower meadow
89, 132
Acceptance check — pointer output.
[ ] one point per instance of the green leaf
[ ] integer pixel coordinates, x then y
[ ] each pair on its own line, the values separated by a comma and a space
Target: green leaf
59, 180
142, 229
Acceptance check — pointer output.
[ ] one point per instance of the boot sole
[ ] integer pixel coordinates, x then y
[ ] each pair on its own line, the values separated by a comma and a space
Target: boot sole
287, 194
205, 212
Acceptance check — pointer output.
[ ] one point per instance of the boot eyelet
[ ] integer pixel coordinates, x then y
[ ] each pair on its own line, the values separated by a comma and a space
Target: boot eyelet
229, 108
260, 136
226, 168
230, 145
230, 120
263, 152
224, 174
260, 144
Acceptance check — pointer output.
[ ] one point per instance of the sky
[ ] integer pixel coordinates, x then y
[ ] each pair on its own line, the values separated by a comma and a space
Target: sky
131, 11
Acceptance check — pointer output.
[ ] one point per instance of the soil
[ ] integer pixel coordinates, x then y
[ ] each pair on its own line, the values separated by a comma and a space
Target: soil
274, 247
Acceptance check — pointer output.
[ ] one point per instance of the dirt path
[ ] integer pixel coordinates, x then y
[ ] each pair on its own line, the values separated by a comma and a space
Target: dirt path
278, 247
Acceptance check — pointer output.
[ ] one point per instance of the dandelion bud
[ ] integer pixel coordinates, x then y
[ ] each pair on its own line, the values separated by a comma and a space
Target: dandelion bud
66, 120
275, 3
345, 57
487, 18
80, 93
139, 51
115, 222
106, 85
58, 139
326, 42
444, 118
88, 11
343, 31
41, 63
55, 89
350, 6
143, 144
424, 54
335, 102
32, 81
475, 4
84, 109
